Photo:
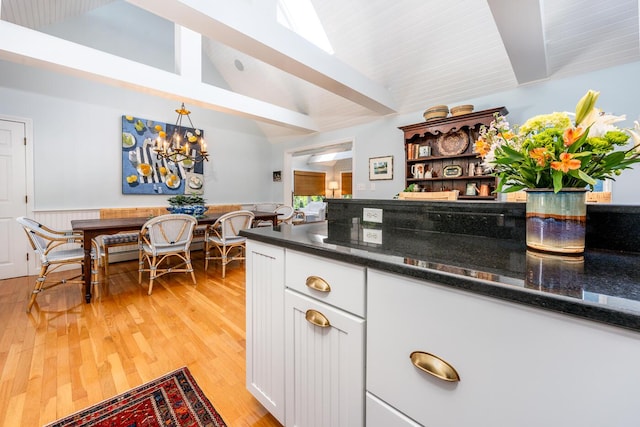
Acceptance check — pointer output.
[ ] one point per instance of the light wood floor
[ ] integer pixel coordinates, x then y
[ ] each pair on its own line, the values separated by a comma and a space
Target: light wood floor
67, 355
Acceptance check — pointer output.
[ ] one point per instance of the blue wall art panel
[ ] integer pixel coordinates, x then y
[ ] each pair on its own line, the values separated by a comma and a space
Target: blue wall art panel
144, 172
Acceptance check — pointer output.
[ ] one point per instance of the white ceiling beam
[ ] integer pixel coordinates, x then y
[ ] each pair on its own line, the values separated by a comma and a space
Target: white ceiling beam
29, 47
188, 53
264, 39
523, 37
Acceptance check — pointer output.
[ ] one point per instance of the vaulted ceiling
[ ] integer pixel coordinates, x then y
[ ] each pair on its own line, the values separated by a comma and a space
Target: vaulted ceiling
390, 57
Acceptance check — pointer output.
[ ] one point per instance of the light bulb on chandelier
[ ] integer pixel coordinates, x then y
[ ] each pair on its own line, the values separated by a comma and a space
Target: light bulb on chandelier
194, 149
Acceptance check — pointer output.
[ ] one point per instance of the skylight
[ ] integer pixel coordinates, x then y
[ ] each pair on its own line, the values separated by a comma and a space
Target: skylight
300, 17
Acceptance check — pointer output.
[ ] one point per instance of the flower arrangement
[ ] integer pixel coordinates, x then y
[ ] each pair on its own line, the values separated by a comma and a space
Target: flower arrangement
551, 151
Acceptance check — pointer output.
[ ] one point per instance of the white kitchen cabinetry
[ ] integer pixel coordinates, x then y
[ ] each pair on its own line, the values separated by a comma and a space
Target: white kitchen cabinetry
265, 326
346, 282
379, 413
324, 342
324, 364
314, 377
518, 366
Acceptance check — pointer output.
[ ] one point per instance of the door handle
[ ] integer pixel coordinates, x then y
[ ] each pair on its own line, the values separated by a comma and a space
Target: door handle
434, 365
318, 283
317, 318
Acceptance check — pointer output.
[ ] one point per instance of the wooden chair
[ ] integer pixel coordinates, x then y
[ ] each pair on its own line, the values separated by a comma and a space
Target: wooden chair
53, 249
161, 238
223, 235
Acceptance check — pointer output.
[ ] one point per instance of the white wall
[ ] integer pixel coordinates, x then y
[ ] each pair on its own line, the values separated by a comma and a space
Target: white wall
77, 137
77, 142
620, 94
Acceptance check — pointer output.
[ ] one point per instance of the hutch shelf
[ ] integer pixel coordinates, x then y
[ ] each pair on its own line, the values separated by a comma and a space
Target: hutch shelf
439, 154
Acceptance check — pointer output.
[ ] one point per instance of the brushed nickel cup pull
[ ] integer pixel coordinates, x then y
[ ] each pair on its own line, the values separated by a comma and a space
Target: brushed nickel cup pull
434, 365
317, 318
318, 283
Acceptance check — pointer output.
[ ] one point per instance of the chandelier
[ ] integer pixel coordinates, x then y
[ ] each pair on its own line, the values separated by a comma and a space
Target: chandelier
184, 145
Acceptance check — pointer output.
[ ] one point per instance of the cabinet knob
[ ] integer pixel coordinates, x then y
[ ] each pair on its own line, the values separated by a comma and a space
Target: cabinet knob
317, 318
318, 283
434, 365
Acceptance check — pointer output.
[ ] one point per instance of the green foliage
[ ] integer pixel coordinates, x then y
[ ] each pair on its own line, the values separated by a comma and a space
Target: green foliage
183, 200
549, 151
302, 201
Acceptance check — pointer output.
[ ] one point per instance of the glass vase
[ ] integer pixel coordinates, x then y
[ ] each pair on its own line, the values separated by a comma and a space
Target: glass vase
556, 222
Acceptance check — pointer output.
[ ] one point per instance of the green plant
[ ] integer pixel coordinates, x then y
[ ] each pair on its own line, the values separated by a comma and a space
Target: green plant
302, 201
183, 200
551, 151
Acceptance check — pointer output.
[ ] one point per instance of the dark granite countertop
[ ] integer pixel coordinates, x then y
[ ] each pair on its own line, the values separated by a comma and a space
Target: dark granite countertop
602, 286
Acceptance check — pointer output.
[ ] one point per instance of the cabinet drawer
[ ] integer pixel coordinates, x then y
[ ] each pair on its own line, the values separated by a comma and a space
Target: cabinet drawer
379, 414
518, 366
347, 282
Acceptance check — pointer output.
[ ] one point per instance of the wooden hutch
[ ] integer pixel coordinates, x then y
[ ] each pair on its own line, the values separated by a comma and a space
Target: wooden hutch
439, 154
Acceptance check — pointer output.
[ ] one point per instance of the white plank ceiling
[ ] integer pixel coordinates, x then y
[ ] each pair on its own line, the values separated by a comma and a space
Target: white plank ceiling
390, 57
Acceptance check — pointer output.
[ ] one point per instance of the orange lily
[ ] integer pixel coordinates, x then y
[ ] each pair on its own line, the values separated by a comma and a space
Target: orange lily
482, 147
566, 163
571, 135
540, 155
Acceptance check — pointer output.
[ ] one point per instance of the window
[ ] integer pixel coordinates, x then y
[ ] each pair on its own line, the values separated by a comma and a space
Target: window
308, 187
300, 17
347, 178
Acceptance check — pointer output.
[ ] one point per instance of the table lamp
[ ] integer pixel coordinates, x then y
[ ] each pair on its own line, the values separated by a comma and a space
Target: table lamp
333, 186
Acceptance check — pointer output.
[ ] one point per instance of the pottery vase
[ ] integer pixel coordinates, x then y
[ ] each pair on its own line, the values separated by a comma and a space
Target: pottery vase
556, 222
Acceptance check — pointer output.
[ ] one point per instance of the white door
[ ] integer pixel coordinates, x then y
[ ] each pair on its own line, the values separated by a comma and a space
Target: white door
13, 191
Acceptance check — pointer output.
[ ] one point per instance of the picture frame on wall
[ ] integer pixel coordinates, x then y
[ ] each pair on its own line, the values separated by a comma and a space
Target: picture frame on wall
380, 168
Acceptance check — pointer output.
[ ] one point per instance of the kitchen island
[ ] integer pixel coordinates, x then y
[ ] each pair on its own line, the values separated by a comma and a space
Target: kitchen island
534, 339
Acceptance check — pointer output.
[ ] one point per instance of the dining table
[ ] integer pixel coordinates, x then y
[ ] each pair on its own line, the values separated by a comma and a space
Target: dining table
92, 228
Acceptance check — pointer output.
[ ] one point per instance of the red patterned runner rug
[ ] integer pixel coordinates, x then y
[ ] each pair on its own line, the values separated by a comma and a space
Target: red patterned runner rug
172, 400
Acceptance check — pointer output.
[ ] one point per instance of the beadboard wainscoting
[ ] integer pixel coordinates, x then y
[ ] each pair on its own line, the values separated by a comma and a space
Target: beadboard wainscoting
61, 219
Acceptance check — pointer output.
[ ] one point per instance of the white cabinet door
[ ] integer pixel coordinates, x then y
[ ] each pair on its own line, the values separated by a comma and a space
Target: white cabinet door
379, 414
265, 326
324, 365
518, 366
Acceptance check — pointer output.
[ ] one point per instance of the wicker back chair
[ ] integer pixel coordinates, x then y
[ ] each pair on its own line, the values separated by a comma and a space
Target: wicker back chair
285, 214
223, 235
161, 238
56, 248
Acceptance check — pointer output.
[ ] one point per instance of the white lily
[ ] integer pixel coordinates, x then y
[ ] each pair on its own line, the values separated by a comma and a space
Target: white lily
585, 107
601, 122
635, 135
